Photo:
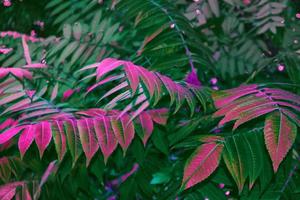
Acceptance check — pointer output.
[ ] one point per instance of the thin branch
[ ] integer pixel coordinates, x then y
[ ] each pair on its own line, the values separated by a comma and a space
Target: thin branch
179, 32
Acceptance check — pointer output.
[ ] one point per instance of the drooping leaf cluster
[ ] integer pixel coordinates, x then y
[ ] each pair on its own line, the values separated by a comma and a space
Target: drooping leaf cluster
149, 99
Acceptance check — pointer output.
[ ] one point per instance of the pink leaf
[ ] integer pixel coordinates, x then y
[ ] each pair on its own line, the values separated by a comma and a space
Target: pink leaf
132, 75
107, 65
147, 126
280, 134
59, 138
224, 97
43, 136
148, 79
8, 134
11, 97
8, 122
159, 116
105, 136
106, 80
68, 93
8, 191
123, 130
54, 92
87, 138
73, 139
26, 50
201, 164
50, 169
26, 139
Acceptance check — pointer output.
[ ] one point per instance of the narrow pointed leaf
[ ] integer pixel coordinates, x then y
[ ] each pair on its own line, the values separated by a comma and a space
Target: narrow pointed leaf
26, 139
280, 134
59, 137
202, 164
87, 138
43, 136
73, 139
106, 138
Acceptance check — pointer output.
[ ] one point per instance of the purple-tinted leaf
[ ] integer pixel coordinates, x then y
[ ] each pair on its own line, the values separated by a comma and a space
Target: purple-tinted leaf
87, 138
54, 92
141, 98
11, 97
147, 126
159, 116
280, 134
222, 98
26, 139
283, 95
115, 89
43, 136
107, 65
8, 122
142, 108
26, 51
106, 80
73, 139
105, 136
59, 137
253, 114
132, 75
123, 131
201, 164
50, 169
148, 80
10, 133
8, 190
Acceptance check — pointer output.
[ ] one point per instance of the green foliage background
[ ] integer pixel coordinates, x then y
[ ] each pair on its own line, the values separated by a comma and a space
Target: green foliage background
236, 42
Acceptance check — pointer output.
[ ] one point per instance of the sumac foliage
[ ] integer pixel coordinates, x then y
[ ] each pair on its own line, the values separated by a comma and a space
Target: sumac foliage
149, 99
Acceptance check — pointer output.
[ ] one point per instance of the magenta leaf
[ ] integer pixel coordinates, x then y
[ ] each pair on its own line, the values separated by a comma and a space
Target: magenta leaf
43, 136
201, 164
106, 138
147, 126
10, 133
87, 138
280, 134
59, 138
26, 139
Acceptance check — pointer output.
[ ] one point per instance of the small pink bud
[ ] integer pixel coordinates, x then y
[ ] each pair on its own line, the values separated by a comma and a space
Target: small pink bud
33, 33
215, 88
246, 2
198, 12
196, 1
172, 25
280, 68
206, 198
298, 15
213, 81
227, 193
6, 3
221, 185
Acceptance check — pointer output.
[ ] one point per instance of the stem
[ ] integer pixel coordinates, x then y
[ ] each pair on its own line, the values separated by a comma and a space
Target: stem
179, 32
